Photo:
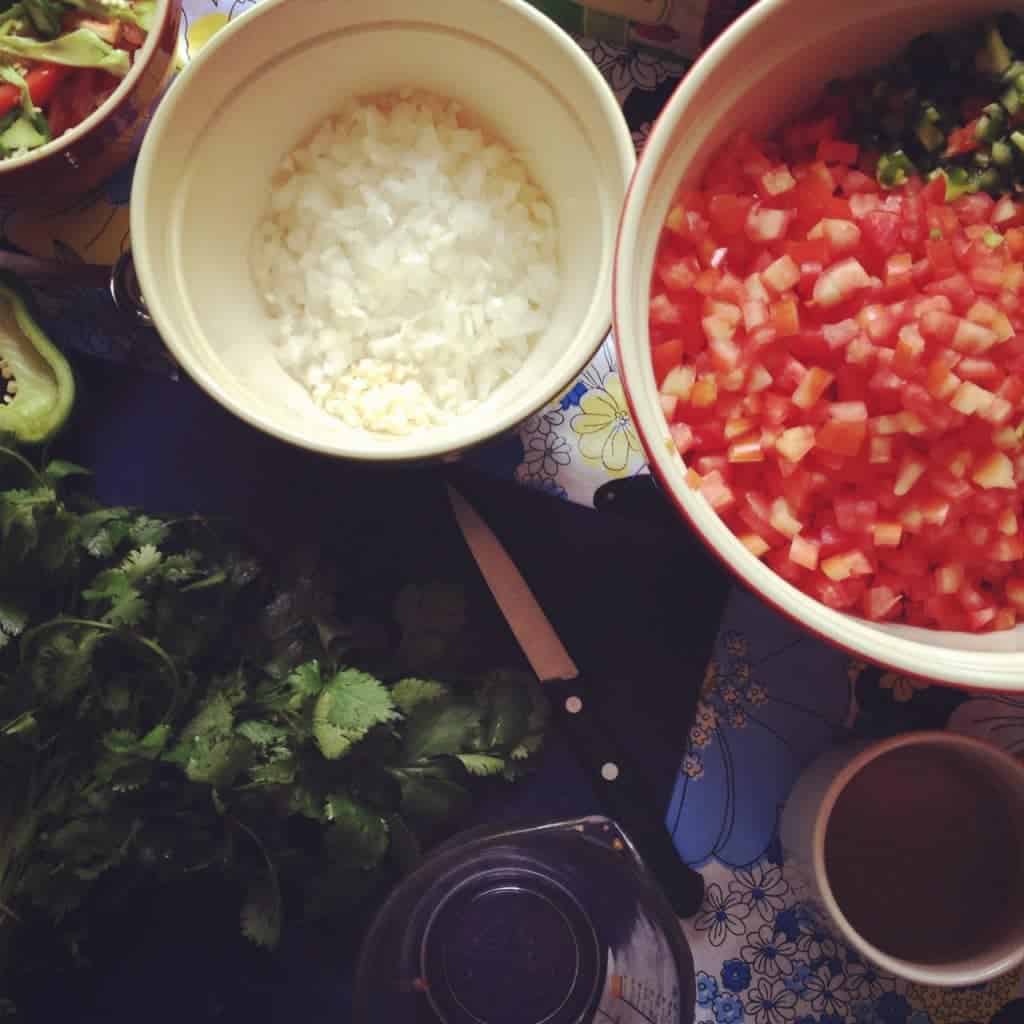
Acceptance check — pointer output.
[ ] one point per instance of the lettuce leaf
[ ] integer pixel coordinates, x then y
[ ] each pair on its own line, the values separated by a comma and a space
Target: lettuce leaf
79, 49
45, 16
139, 12
29, 131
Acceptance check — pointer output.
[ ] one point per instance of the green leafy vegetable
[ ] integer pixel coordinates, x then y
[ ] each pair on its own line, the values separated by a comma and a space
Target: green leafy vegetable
45, 16
169, 707
81, 48
349, 706
138, 12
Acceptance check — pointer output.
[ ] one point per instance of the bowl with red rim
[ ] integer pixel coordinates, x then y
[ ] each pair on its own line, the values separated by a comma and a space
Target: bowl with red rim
105, 118
760, 75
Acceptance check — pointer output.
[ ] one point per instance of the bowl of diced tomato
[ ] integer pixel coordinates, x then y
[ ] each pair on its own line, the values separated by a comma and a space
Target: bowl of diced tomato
819, 312
78, 79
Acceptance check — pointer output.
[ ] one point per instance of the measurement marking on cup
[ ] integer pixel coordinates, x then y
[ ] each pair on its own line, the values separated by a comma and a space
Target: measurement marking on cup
636, 1009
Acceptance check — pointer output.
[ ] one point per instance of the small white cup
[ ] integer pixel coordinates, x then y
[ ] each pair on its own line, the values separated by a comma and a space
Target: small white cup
804, 825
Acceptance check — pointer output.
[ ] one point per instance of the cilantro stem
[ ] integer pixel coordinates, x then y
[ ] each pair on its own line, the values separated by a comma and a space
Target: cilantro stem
275, 884
213, 580
19, 458
105, 627
10, 913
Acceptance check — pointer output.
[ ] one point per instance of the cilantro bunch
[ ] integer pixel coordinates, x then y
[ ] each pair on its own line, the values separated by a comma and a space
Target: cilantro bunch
171, 705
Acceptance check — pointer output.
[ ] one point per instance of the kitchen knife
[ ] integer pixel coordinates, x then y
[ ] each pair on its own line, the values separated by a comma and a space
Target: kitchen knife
622, 791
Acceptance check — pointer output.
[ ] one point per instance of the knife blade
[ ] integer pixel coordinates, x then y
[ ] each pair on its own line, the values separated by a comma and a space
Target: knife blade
621, 789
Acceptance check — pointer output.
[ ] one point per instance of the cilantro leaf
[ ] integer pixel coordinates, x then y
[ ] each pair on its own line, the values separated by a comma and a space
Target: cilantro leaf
306, 680
125, 742
217, 761
436, 729
433, 801
357, 837
141, 562
263, 734
351, 704
13, 620
506, 705
19, 510
482, 764
281, 772
114, 588
57, 470
102, 530
63, 661
144, 530
408, 693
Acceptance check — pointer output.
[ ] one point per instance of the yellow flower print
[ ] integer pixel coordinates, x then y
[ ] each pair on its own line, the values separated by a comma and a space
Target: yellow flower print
607, 435
903, 688
203, 29
88, 231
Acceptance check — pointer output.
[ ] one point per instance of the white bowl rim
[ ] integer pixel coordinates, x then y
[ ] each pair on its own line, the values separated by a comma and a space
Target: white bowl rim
406, 448
1000, 671
105, 109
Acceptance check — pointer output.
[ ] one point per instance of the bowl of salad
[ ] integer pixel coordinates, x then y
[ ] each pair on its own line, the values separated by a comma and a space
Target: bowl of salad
819, 311
78, 79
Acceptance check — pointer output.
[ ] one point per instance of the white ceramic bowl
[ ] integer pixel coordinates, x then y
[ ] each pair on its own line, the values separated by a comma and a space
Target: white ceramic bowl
263, 83
766, 67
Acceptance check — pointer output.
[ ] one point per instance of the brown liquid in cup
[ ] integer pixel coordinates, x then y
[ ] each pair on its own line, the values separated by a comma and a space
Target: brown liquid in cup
924, 858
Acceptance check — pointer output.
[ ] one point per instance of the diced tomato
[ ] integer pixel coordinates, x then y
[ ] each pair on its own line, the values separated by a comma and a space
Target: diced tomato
840, 282
728, 213
842, 438
848, 385
881, 231
834, 151
666, 357
962, 140
765, 224
42, 81
975, 208
881, 603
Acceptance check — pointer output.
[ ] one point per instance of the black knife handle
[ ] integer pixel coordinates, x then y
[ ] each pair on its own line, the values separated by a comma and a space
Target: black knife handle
623, 794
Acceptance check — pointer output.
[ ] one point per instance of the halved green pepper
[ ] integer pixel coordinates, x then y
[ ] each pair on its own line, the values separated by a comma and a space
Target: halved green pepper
37, 388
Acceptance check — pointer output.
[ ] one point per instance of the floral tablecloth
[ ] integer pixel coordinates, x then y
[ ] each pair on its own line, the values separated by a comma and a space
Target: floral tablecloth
772, 699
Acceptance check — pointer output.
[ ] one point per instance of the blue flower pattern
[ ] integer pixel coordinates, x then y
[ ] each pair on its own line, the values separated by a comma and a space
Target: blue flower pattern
727, 1009
735, 975
757, 724
707, 989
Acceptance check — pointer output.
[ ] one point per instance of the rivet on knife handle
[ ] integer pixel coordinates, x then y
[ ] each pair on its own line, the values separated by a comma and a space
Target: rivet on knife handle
624, 794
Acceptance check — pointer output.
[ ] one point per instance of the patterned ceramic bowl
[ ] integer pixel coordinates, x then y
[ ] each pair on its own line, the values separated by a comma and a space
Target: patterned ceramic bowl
763, 69
73, 164
261, 85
